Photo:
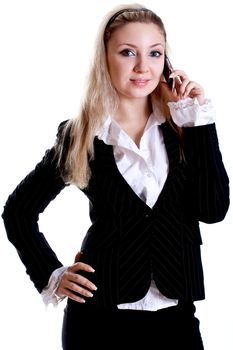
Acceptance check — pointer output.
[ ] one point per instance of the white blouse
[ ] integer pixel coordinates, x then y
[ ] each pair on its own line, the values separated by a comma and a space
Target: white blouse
145, 169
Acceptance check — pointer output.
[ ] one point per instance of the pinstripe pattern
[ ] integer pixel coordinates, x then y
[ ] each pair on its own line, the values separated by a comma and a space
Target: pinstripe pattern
21, 215
128, 241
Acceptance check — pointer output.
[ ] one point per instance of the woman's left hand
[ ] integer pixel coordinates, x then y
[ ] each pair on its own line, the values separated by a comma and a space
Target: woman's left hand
186, 88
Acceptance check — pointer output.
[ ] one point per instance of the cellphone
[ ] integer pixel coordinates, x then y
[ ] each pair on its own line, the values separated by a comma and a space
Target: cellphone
167, 70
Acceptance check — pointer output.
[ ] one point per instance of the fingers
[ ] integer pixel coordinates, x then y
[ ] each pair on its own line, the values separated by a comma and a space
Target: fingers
180, 74
181, 82
80, 266
75, 283
187, 88
72, 283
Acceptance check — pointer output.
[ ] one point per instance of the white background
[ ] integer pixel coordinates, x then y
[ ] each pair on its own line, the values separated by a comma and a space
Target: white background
45, 50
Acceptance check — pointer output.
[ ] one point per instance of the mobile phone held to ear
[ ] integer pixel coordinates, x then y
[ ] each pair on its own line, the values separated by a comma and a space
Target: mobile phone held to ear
167, 70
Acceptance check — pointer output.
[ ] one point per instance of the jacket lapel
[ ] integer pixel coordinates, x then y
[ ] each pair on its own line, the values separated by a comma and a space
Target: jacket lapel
112, 183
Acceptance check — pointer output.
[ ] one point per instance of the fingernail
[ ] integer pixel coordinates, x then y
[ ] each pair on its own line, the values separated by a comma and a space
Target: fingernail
82, 300
93, 287
89, 294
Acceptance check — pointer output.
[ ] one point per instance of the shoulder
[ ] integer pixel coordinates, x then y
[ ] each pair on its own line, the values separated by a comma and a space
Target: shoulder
63, 134
62, 127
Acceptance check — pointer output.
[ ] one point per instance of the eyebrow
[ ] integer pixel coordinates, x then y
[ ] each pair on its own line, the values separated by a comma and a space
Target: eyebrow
135, 46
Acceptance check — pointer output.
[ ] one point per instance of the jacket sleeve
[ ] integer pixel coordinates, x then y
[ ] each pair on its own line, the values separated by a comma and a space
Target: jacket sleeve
209, 180
21, 215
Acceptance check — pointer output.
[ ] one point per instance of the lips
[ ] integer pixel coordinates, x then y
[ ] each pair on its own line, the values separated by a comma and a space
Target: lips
140, 82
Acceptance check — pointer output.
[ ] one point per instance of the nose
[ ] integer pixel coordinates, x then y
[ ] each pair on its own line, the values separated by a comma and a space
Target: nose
141, 66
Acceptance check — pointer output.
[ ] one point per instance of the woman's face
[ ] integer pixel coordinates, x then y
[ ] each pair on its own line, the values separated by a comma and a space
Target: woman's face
135, 57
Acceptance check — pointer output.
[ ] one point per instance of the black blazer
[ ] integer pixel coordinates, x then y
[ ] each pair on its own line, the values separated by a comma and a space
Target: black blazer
128, 242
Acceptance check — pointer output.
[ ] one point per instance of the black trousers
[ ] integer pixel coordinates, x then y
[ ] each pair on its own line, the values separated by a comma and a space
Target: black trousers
86, 327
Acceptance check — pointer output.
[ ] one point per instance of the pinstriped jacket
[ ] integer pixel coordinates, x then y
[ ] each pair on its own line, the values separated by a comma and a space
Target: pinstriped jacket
129, 242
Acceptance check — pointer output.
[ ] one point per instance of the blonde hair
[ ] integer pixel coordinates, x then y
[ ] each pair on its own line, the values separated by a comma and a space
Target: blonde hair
101, 98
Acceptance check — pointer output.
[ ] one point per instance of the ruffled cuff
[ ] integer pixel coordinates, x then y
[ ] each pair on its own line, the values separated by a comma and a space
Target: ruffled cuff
188, 112
49, 292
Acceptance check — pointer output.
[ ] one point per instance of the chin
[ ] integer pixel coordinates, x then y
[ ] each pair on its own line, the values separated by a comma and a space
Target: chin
140, 94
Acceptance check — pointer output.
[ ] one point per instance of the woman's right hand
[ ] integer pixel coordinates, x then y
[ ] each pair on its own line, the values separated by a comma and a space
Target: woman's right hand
71, 283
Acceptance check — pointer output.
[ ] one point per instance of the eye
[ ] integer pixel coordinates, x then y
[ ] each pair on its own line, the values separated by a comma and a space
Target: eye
127, 53
155, 53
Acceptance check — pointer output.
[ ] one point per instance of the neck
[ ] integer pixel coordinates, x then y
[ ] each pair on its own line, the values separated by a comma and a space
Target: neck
132, 117
135, 111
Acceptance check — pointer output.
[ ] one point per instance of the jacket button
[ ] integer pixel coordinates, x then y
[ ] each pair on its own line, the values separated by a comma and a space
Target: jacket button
147, 216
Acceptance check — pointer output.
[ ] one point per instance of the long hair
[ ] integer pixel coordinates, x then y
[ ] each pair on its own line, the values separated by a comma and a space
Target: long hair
101, 98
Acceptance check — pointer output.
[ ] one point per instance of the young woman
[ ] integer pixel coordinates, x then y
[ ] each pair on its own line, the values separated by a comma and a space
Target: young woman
147, 158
